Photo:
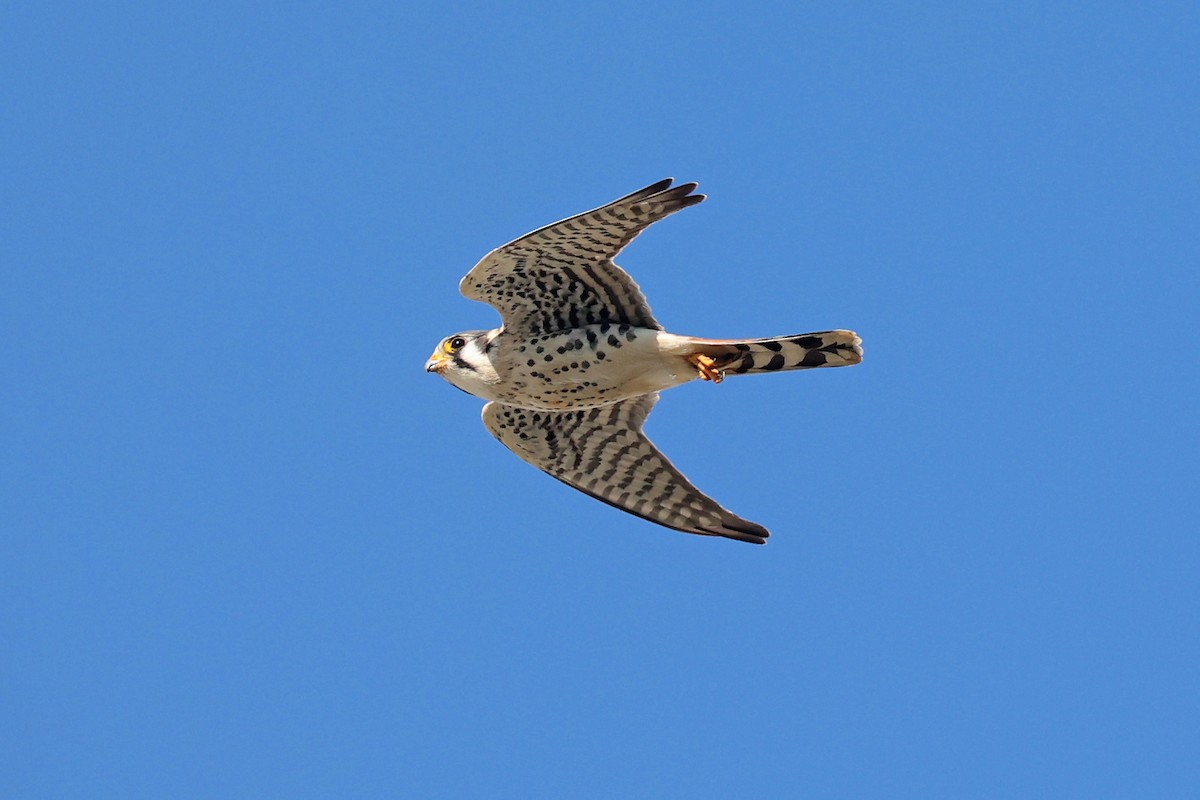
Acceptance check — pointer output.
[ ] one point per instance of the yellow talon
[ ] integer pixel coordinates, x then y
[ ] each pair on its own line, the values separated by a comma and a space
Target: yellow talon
707, 368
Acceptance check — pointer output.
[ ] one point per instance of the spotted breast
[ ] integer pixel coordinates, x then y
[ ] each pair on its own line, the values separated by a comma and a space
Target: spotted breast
588, 366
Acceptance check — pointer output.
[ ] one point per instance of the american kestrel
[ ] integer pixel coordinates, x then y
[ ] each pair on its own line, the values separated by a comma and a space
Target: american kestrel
578, 362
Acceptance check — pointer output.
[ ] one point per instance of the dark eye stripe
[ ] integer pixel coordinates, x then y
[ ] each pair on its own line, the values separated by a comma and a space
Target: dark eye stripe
458, 361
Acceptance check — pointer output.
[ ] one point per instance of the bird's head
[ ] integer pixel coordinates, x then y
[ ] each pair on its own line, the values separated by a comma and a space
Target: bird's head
464, 361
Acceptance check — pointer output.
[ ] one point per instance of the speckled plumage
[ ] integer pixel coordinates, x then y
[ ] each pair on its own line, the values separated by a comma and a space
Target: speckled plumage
579, 360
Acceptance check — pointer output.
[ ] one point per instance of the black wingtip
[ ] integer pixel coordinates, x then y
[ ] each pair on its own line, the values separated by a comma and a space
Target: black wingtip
662, 185
649, 191
663, 190
743, 530
742, 537
682, 196
676, 198
745, 537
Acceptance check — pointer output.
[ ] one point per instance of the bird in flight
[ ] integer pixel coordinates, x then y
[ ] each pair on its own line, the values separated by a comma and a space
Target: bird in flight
578, 361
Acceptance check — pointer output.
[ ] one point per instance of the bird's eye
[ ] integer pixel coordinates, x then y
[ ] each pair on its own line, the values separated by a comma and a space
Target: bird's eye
455, 343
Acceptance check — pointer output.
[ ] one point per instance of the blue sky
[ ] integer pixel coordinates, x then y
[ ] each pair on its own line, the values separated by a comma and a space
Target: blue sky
251, 550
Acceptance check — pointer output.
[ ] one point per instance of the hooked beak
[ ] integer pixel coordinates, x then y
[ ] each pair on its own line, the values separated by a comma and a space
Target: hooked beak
436, 363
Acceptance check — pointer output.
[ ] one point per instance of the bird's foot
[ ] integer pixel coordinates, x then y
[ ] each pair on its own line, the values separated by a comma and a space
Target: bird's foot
707, 367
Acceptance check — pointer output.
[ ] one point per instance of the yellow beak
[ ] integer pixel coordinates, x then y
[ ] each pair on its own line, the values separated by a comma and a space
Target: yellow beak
436, 363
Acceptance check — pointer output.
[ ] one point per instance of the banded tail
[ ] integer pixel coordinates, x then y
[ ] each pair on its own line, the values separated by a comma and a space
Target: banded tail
801, 351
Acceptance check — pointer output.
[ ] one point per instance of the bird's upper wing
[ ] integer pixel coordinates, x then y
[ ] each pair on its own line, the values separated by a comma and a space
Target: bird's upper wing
562, 276
603, 452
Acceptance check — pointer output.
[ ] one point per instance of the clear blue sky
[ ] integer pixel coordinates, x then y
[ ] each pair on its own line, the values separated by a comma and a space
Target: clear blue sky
250, 549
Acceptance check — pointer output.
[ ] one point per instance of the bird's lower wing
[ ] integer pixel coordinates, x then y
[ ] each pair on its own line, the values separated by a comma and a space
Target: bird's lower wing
603, 452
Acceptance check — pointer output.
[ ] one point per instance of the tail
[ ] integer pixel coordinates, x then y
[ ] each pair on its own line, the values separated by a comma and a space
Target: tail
801, 351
